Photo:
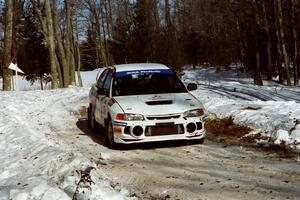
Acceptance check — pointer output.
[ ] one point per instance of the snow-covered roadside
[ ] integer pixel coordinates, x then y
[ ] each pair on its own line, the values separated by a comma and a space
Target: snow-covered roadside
272, 110
88, 78
277, 119
34, 166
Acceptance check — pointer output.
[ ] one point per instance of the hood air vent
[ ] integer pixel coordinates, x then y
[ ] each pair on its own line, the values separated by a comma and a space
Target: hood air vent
154, 103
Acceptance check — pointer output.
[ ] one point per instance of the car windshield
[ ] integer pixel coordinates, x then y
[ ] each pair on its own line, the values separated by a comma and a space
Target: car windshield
150, 83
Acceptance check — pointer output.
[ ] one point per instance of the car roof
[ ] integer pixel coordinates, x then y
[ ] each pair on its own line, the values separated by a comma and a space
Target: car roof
139, 66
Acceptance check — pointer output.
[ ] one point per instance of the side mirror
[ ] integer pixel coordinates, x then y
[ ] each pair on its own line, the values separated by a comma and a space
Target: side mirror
192, 86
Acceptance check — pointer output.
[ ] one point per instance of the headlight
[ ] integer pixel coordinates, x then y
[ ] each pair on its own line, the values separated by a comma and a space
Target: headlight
193, 113
130, 117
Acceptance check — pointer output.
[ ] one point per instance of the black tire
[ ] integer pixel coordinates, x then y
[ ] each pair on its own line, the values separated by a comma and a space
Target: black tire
93, 123
109, 135
201, 141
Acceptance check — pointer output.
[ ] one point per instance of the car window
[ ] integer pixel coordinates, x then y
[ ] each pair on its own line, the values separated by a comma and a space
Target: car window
102, 78
107, 82
148, 83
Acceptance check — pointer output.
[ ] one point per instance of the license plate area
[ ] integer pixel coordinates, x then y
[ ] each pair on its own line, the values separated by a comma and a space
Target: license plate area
160, 130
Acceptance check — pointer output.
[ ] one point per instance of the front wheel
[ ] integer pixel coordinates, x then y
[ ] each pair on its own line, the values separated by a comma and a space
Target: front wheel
109, 135
201, 141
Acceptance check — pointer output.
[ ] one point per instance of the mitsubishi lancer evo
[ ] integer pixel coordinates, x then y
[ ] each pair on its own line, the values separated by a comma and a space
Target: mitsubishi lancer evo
138, 103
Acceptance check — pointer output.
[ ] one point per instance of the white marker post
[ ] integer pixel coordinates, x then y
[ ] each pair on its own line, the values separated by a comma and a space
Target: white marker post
14, 67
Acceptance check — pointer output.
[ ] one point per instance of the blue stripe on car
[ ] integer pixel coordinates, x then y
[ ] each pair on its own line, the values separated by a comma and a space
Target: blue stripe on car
116, 123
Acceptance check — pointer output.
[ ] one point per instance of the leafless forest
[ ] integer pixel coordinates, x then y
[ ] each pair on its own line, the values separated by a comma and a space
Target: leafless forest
60, 37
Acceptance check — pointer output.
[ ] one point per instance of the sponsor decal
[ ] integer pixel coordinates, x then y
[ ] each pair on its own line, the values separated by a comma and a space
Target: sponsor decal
138, 72
116, 123
155, 97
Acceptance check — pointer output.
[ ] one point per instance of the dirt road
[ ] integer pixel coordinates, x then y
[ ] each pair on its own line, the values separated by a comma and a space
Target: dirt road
177, 170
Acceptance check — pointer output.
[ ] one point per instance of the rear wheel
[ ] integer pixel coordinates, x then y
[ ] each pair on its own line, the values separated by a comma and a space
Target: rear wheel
92, 121
109, 135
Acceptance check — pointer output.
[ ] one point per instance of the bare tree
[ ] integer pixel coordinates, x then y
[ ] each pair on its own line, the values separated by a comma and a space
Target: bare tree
295, 39
8, 44
60, 50
257, 71
283, 46
266, 26
95, 17
48, 32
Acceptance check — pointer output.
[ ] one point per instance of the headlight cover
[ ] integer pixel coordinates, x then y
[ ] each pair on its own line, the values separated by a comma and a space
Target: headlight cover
130, 117
194, 113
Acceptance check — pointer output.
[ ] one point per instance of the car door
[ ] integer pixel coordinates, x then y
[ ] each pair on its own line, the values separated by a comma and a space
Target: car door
99, 95
106, 97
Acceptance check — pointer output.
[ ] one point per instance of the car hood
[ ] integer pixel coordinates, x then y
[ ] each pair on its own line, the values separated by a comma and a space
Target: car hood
158, 104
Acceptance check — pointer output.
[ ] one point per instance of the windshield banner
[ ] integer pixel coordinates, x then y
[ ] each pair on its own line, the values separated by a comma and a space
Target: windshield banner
141, 72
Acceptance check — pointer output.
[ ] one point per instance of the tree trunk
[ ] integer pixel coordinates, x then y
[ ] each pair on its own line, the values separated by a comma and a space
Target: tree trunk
103, 14
77, 53
51, 45
69, 42
72, 63
167, 13
60, 51
295, 37
78, 65
278, 45
41, 82
269, 42
60, 76
100, 51
8, 44
284, 51
257, 71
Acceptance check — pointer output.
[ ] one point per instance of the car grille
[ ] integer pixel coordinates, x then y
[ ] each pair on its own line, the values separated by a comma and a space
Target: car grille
164, 130
162, 117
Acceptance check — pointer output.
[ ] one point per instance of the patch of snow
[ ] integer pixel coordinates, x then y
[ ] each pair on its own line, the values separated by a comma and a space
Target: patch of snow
104, 156
271, 110
88, 79
282, 136
34, 162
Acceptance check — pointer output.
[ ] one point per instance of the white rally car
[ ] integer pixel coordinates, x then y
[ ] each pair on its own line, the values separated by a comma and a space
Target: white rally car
144, 103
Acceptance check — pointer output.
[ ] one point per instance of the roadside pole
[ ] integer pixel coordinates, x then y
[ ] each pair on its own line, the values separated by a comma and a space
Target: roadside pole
14, 67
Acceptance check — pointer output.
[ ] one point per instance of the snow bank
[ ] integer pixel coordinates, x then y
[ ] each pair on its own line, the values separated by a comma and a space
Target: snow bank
34, 164
272, 110
88, 78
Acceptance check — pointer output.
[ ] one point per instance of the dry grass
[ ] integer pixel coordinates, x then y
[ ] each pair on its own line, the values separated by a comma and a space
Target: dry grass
226, 127
83, 111
254, 137
251, 108
225, 131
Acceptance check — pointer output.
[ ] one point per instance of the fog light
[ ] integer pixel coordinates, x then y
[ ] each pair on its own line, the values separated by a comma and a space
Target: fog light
137, 131
199, 125
127, 130
191, 127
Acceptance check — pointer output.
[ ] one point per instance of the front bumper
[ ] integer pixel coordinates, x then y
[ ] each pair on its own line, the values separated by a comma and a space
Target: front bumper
123, 130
